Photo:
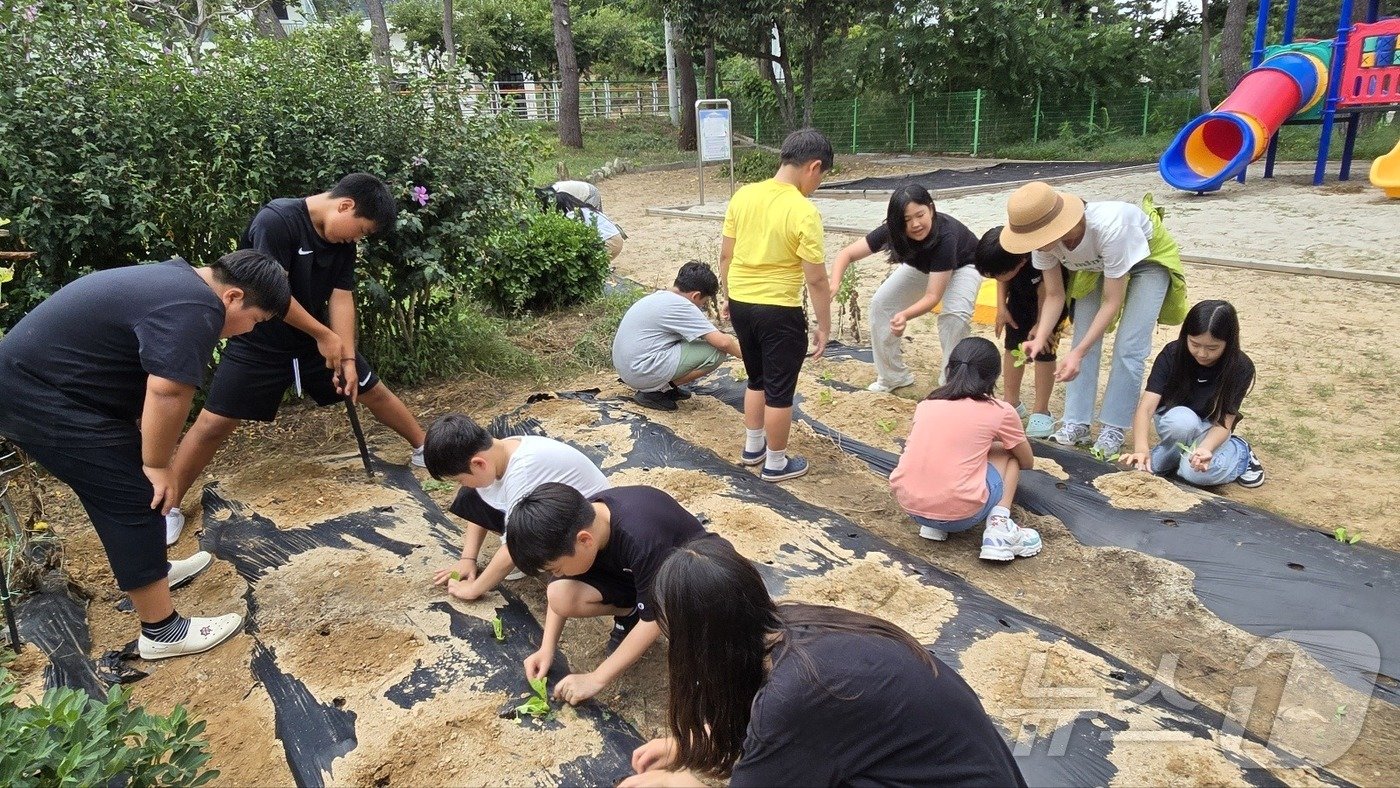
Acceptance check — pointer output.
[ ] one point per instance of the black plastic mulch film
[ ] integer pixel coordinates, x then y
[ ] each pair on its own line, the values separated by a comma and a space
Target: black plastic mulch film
1008, 172
316, 731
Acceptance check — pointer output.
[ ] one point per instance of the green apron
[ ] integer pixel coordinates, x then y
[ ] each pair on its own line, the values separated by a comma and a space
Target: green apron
1162, 250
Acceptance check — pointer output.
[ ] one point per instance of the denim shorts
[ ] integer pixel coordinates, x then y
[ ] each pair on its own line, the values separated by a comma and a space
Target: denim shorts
994, 491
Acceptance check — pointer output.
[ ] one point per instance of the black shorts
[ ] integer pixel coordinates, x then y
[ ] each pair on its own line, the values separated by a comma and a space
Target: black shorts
249, 383
469, 506
774, 342
117, 496
1025, 317
616, 591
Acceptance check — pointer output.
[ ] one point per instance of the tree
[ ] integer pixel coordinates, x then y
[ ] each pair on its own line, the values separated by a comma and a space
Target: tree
711, 72
267, 23
570, 128
449, 41
1232, 43
784, 37
190, 23
685, 75
379, 39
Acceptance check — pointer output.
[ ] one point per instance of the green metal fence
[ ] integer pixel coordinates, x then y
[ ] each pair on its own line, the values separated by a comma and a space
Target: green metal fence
976, 122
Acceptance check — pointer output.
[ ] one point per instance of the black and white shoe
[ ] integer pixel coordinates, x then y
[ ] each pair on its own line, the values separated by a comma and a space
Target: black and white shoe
622, 625
1253, 475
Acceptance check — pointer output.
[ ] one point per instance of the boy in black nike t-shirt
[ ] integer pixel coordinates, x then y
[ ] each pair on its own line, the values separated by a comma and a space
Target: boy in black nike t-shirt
603, 551
313, 350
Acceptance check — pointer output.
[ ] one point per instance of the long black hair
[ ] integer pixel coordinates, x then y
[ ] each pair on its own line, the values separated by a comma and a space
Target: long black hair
723, 627
972, 371
1218, 319
902, 247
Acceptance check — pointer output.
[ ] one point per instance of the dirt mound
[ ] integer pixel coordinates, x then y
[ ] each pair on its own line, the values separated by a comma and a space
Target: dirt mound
1143, 491
874, 587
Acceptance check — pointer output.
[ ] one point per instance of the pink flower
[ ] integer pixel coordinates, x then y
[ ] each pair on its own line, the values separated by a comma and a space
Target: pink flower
31, 13
419, 194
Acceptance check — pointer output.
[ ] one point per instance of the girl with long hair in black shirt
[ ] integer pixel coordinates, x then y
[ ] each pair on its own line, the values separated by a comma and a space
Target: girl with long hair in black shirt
795, 694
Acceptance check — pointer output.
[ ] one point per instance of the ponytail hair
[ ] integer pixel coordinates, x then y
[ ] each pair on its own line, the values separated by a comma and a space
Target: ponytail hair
1218, 319
972, 371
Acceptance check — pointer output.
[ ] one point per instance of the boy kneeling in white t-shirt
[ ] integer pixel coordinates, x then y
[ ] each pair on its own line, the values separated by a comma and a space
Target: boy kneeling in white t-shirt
495, 473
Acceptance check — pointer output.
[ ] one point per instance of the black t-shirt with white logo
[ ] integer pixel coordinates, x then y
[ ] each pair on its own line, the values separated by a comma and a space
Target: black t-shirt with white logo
864, 710
315, 267
948, 246
647, 525
1204, 382
73, 371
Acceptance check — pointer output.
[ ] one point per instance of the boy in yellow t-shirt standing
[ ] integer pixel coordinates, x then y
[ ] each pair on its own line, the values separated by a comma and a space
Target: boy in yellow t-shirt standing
772, 245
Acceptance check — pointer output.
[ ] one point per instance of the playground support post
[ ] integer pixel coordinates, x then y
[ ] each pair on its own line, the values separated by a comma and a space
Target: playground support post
1329, 112
976, 121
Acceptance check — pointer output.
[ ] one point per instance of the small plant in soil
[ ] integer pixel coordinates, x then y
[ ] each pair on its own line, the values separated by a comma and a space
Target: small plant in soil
498, 628
826, 376
740, 374
1101, 456
437, 485
825, 397
537, 706
885, 425
1018, 357
1345, 537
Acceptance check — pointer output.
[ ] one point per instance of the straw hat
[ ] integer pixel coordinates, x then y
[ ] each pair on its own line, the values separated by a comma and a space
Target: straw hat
1037, 215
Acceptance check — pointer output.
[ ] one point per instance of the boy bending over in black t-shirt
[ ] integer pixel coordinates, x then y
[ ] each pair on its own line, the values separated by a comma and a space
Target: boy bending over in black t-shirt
314, 348
603, 552
95, 385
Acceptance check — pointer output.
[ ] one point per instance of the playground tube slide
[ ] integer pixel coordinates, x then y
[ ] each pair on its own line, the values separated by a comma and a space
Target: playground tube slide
1218, 145
1385, 174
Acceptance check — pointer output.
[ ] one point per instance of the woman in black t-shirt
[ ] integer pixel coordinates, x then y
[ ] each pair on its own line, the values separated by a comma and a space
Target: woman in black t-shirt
937, 254
793, 694
1193, 397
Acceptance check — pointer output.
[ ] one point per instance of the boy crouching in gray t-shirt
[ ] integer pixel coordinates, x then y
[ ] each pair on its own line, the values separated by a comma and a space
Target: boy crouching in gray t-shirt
665, 341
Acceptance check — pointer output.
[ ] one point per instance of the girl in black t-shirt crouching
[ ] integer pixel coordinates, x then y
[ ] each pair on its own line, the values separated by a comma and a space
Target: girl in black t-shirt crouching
795, 694
1193, 397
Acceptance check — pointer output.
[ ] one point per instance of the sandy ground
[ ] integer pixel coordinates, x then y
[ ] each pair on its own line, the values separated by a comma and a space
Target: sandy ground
1321, 415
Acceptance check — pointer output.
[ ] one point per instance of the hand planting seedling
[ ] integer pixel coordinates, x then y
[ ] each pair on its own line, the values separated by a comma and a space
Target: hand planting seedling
1018, 357
1342, 536
825, 397
455, 575
887, 425
538, 705
499, 628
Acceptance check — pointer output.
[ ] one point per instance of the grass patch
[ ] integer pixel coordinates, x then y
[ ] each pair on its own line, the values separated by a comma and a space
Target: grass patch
593, 350
639, 140
1323, 391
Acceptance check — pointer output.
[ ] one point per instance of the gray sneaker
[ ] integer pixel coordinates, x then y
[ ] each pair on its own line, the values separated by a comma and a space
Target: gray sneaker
1110, 441
1071, 434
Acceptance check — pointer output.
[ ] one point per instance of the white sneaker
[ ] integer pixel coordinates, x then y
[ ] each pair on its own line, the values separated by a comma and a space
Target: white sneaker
880, 387
184, 570
204, 634
1004, 540
174, 524
1071, 434
933, 534
417, 458
1110, 441
516, 575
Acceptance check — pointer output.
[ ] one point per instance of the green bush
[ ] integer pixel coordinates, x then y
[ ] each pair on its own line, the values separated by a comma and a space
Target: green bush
69, 739
547, 262
113, 151
756, 165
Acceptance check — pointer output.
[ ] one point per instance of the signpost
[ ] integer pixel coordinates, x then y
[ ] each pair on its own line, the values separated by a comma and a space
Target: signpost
715, 130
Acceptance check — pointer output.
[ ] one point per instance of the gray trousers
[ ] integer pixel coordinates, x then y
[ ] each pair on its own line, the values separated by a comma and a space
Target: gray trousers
900, 290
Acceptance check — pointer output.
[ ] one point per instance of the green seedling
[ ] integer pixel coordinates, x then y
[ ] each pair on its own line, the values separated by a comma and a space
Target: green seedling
538, 705
455, 576
1018, 357
499, 628
1184, 448
740, 374
1342, 536
825, 397
826, 376
1101, 456
1341, 712
887, 425
437, 485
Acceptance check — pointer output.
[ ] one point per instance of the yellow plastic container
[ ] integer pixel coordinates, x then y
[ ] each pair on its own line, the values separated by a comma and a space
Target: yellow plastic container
985, 313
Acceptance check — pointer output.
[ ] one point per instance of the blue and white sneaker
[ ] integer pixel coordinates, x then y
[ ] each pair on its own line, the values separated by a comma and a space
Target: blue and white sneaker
1004, 540
752, 458
795, 467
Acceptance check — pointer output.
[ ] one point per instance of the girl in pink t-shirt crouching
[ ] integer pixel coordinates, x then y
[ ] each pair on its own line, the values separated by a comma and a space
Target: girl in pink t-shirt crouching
964, 456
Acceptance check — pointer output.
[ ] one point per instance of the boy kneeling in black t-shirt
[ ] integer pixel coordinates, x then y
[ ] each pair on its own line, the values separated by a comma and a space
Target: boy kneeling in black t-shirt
604, 551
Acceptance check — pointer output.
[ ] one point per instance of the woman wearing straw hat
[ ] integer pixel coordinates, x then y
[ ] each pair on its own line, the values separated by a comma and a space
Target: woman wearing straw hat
1127, 273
